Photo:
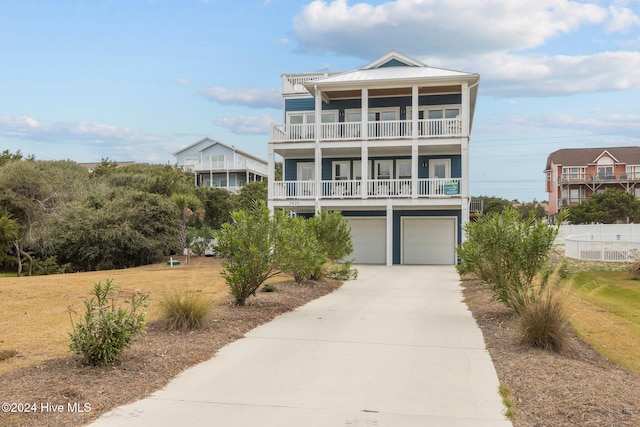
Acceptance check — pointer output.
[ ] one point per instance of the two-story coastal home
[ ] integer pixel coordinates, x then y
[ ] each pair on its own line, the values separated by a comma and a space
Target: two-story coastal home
574, 174
388, 146
215, 164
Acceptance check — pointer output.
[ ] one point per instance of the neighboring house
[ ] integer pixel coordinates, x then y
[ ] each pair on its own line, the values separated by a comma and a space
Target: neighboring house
215, 164
574, 174
387, 145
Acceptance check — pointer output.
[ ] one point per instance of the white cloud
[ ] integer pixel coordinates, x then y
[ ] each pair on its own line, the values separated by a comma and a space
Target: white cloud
503, 74
254, 98
622, 19
28, 128
439, 27
183, 82
253, 125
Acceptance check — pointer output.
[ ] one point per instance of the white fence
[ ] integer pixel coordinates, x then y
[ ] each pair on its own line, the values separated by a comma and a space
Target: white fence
600, 242
601, 247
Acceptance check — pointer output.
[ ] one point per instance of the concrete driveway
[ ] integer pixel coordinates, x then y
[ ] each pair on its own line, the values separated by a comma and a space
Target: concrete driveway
396, 347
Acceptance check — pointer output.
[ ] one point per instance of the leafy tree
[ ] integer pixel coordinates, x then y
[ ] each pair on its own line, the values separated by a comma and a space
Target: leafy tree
247, 243
507, 252
494, 204
126, 229
188, 206
531, 208
217, 204
9, 232
251, 192
297, 249
34, 193
609, 207
333, 234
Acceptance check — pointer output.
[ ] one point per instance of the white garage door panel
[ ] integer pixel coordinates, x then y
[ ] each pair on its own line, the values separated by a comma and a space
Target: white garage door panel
368, 236
428, 240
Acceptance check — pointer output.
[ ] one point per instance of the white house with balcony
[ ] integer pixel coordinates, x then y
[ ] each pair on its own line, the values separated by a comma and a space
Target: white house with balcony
218, 165
388, 146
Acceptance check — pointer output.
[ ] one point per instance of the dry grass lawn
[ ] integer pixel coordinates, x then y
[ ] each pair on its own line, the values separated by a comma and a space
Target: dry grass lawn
34, 315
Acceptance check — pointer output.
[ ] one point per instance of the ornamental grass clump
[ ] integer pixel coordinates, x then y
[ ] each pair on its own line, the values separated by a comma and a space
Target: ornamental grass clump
543, 322
185, 311
107, 328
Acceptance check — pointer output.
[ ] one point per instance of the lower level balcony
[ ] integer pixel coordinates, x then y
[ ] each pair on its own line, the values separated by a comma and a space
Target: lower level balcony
375, 188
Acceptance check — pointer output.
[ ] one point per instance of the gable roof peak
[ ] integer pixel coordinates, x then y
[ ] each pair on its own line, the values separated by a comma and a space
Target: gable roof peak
394, 55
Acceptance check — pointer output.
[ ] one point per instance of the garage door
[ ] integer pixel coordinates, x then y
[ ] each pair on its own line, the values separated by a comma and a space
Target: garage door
368, 236
428, 240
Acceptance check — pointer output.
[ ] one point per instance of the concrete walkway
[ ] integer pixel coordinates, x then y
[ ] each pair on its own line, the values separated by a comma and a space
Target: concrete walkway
396, 347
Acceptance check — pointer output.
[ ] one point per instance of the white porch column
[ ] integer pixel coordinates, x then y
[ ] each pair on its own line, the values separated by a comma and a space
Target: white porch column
364, 124
364, 171
389, 232
271, 173
466, 109
318, 114
414, 169
414, 142
318, 172
415, 113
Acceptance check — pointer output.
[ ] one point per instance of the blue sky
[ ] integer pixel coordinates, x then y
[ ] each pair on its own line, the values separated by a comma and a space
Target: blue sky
139, 79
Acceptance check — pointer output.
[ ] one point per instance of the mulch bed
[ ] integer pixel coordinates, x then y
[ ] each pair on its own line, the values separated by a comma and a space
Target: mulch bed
579, 388
147, 366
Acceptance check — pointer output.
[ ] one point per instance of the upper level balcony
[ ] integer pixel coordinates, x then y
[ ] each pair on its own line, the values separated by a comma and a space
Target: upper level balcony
372, 188
226, 165
377, 130
294, 83
598, 178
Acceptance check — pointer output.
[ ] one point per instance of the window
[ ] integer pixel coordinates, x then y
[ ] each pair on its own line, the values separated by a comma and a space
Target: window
383, 169
403, 169
573, 173
217, 161
605, 168
440, 168
633, 172
301, 124
437, 125
306, 171
357, 169
341, 171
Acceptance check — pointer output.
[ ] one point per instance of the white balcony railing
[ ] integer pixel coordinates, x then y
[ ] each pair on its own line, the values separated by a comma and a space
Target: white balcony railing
375, 188
292, 84
221, 166
388, 129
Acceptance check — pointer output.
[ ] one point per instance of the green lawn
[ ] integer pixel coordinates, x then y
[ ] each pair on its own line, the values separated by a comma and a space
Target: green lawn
604, 308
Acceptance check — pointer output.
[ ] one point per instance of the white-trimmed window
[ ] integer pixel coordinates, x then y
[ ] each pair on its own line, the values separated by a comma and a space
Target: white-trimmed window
301, 123
383, 169
573, 173
440, 168
633, 171
357, 169
340, 170
605, 168
216, 161
403, 169
306, 171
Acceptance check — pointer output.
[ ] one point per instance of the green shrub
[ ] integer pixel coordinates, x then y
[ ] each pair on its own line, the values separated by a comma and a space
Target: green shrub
506, 252
333, 234
247, 245
50, 266
185, 311
298, 252
107, 328
542, 319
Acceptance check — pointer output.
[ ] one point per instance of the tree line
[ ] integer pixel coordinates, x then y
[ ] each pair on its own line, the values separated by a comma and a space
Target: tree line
58, 216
